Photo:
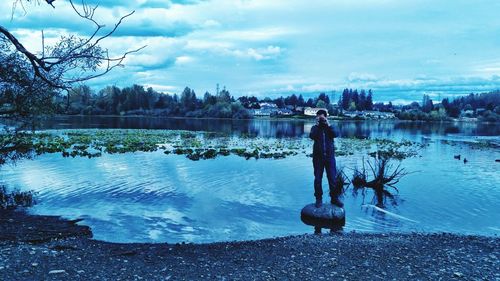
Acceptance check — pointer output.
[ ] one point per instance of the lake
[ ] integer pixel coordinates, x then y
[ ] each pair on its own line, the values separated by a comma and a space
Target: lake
153, 197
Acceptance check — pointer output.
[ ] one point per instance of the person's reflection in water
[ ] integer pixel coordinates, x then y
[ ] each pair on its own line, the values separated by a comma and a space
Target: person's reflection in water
333, 229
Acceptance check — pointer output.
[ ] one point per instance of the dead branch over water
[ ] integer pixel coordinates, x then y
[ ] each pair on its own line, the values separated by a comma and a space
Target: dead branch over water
73, 59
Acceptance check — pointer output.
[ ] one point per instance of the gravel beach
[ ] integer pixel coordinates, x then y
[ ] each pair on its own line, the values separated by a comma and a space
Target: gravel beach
72, 255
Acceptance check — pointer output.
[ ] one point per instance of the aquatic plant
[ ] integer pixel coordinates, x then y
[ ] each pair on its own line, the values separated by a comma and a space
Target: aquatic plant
15, 146
341, 180
196, 145
482, 144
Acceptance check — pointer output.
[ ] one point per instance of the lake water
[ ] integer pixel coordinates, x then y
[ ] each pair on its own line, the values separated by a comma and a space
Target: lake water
153, 197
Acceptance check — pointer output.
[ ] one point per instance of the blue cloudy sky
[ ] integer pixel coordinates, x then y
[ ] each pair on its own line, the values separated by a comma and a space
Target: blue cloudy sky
401, 49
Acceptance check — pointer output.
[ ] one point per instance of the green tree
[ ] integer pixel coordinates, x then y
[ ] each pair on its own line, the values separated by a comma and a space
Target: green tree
369, 100
188, 100
321, 104
209, 99
345, 99
427, 104
224, 96
362, 101
280, 102
301, 101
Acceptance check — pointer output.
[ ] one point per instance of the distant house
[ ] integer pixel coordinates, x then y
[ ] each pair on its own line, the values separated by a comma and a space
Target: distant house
265, 111
267, 105
480, 111
311, 111
378, 115
468, 113
299, 109
370, 114
284, 111
353, 114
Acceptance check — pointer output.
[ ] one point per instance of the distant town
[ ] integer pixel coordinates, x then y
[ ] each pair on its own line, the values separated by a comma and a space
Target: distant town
271, 109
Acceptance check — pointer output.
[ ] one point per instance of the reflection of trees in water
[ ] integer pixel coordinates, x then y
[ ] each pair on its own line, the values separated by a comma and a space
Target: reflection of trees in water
443, 128
277, 128
369, 129
14, 146
352, 129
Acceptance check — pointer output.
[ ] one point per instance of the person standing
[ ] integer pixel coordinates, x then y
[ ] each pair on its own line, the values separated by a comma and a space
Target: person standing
324, 159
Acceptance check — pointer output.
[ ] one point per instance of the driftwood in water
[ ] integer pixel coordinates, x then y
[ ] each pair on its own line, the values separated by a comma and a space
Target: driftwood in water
19, 226
385, 176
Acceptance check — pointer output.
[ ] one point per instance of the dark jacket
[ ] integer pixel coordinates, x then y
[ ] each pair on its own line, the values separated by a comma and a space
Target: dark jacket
323, 141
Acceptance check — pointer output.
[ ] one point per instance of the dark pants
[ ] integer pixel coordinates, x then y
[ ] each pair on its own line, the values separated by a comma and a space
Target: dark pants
320, 164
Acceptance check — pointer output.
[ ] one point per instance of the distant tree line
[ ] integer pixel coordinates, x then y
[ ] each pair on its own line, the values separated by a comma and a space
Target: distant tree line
484, 106
136, 100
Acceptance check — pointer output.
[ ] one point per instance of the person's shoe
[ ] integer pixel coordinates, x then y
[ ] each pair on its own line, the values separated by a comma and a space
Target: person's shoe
318, 203
336, 201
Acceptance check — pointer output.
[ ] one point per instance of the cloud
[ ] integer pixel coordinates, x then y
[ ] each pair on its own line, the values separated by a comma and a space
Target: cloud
256, 34
400, 48
210, 23
141, 3
149, 28
105, 3
270, 52
361, 77
163, 88
185, 2
183, 60
317, 87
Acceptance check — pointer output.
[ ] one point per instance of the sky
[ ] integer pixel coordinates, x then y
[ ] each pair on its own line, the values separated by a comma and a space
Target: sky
400, 49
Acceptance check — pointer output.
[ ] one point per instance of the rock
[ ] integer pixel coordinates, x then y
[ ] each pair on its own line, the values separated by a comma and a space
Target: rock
327, 215
57, 271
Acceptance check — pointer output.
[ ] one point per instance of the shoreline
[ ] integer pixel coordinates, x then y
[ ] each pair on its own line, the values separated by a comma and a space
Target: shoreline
300, 118
73, 255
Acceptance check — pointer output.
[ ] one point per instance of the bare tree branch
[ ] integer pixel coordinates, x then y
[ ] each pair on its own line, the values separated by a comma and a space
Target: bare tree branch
73, 59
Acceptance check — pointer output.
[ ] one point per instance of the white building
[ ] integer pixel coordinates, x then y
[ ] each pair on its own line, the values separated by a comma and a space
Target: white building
370, 114
311, 111
268, 105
